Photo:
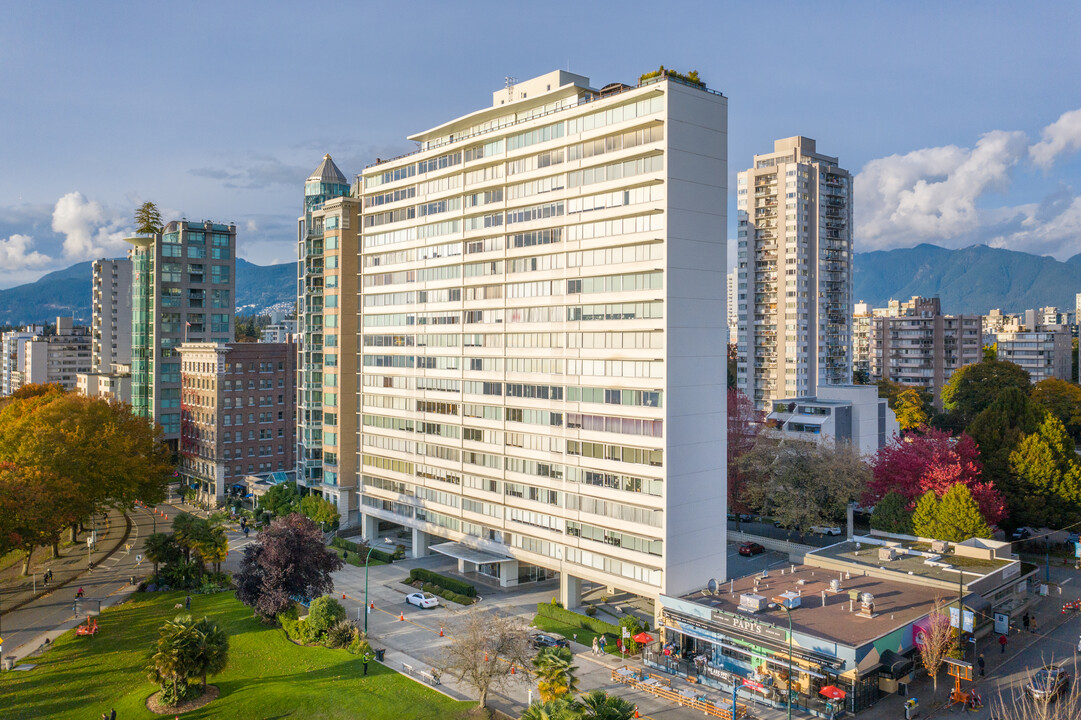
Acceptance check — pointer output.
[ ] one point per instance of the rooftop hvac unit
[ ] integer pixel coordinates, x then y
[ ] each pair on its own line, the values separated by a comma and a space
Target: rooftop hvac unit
789, 600
939, 546
835, 585
752, 602
887, 554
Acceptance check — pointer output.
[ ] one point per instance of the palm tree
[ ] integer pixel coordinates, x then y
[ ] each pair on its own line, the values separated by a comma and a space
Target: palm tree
555, 673
161, 548
210, 649
211, 545
561, 709
599, 705
188, 648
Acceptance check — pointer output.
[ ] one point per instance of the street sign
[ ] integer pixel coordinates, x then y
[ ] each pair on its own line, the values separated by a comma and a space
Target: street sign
1077, 549
1002, 623
138, 558
955, 617
967, 620
626, 632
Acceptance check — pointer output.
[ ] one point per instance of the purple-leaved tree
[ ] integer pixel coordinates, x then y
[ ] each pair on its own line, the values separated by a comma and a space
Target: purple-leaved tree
288, 560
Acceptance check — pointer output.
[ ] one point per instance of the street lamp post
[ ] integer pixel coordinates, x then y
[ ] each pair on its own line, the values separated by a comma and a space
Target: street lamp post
366, 559
788, 700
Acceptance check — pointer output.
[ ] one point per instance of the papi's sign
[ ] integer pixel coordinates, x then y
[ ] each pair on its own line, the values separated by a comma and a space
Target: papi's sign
749, 626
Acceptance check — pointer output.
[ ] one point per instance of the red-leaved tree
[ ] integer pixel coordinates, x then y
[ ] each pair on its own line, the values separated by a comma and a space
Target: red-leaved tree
933, 460
744, 422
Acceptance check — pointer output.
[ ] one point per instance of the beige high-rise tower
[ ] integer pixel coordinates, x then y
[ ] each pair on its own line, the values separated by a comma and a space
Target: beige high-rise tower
794, 289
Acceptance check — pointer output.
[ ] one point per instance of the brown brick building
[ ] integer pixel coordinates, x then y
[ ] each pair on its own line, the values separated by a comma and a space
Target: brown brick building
238, 413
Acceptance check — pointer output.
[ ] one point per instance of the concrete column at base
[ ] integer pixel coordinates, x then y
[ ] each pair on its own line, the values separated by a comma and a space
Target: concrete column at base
369, 527
570, 591
421, 541
508, 573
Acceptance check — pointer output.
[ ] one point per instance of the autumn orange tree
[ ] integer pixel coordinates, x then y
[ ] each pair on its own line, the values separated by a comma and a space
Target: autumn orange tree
80, 455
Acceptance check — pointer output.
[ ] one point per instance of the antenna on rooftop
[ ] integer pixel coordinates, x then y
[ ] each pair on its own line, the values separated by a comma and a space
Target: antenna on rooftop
510, 81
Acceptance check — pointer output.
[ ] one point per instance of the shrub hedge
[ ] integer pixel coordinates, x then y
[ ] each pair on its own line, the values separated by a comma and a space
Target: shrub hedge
456, 586
568, 617
448, 594
353, 547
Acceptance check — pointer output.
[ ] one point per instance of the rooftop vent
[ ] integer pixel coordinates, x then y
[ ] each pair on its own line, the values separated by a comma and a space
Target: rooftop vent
789, 600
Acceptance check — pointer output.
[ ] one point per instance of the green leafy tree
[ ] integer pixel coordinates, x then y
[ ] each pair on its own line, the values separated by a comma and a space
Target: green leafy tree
555, 671
319, 510
959, 516
802, 484
1063, 400
1047, 477
890, 515
148, 219
925, 516
998, 430
634, 626
282, 500
913, 406
990, 352
974, 387
324, 613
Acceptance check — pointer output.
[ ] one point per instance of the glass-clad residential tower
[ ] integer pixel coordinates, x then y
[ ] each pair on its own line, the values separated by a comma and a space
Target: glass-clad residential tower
182, 291
326, 314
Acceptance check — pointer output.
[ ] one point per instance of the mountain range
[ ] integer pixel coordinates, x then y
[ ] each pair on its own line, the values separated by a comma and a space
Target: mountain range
68, 292
971, 280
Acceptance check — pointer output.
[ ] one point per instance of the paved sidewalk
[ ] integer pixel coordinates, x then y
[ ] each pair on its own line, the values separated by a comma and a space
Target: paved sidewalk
113, 533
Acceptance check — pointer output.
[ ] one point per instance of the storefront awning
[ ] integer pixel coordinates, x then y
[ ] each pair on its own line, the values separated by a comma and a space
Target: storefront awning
747, 651
459, 551
893, 665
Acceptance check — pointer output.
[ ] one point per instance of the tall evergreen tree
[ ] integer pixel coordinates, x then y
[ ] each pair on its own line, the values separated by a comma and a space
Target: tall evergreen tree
975, 386
925, 516
891, 515
958, 516
1047, 477
148, 218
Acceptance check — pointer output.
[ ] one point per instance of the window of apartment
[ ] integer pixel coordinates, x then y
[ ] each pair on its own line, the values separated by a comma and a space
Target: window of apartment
219, 274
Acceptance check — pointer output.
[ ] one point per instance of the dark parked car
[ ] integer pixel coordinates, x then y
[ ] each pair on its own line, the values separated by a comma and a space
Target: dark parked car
1048, 683
750, 548
1022, 533
543, 640
740, 517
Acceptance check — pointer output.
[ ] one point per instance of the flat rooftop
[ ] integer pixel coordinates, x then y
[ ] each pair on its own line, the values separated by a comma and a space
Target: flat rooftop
896, 603
855, 553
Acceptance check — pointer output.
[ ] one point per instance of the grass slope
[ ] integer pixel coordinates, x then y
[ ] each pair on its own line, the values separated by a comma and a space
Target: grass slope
267, 677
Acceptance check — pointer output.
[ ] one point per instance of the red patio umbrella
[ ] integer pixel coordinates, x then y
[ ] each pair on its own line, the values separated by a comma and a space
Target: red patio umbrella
643, 637
832, 692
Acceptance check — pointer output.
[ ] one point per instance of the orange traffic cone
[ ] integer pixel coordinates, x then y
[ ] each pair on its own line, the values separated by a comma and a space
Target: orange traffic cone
485, 657
636, 712
401, 617
373, 605
343, 596
440, 631
511, 669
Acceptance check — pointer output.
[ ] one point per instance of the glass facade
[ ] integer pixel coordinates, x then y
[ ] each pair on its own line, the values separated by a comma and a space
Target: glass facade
142, 309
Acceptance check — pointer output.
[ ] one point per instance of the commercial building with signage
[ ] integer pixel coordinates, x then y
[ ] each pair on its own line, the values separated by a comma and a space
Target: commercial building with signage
857, 610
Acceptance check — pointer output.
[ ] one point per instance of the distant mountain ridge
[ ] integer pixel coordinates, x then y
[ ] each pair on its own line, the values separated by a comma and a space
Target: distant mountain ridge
68, 292
971, 280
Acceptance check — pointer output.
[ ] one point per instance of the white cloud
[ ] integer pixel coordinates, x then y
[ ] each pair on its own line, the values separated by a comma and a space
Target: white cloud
1059, 137
15, 254
89, 230
932, 193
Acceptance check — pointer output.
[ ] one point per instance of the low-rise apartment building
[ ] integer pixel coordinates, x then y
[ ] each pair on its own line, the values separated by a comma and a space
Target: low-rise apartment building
237, 413
922, 347
55, 357
13, 354
1045, 351
113, 384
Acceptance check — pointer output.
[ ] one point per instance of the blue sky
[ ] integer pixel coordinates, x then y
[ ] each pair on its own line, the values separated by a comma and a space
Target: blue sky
963, 120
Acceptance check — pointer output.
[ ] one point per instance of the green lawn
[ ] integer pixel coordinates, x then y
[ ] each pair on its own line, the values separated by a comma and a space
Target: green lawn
354, 559
267, 677
585, 637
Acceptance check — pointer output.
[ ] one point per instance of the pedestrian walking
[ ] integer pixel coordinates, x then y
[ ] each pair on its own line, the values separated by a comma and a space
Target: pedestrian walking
596, 647
980, 662
1002, 643
575, 637
1033, 623
603, 642
1025, 620
187, 603
112, 714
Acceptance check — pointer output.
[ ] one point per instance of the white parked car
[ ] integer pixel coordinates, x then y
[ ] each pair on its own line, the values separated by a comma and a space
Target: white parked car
824, 530
422, 600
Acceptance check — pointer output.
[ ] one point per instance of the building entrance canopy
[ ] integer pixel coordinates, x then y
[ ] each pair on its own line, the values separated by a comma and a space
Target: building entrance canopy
459, 551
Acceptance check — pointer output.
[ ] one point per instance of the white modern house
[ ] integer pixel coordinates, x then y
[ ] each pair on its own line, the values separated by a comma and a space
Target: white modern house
542, 309
837, 414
